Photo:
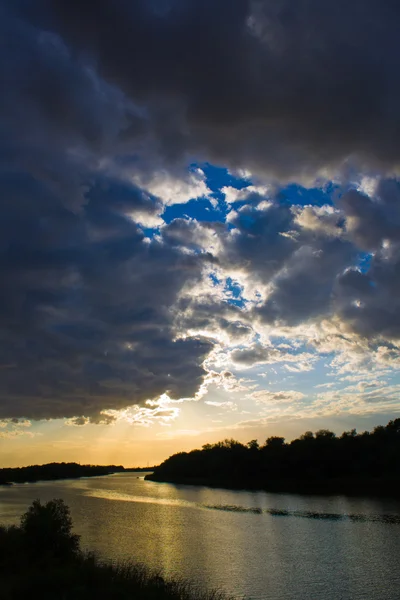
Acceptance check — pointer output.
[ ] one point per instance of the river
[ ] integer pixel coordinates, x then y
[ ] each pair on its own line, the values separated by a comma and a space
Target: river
254, 544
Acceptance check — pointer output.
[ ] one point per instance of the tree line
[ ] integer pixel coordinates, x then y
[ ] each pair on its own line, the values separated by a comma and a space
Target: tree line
54, 471
367, 462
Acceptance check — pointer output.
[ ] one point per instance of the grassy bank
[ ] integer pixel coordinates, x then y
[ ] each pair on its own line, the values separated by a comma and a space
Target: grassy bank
42, 559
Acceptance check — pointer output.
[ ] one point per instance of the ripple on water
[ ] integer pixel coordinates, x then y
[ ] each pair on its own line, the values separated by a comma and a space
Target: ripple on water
234, 508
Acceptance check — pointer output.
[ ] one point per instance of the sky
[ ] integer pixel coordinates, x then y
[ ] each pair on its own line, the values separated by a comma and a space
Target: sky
199, 224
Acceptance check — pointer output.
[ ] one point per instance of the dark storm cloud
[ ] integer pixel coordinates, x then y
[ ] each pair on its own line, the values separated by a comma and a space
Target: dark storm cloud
368, 301
304, 288
299, 265
371, 220
97, 95
259, 243
86, 319
50, 96
85, 306
285, 87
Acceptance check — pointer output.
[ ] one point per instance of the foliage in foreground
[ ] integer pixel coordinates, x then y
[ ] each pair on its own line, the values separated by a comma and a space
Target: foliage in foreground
42, 559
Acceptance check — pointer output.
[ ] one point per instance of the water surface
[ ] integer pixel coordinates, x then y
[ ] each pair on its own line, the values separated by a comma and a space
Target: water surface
267, 546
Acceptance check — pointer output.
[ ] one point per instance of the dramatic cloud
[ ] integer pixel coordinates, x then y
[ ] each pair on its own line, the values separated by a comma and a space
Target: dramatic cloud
86, 320
290, 88
129, 270
369, 298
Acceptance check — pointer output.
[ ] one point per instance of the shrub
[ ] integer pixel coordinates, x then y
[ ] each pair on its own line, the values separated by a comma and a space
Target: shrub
47, 531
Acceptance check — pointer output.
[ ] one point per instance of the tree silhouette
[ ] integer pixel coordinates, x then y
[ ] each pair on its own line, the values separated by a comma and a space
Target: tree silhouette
47, 530
41, 559
320, 462
54, 471
253, 445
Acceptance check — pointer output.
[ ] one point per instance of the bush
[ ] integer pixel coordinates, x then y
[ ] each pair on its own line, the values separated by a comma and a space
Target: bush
42, 560
47, 531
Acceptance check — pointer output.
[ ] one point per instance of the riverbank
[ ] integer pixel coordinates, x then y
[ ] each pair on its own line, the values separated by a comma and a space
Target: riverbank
353, 464
88, 578
42, 559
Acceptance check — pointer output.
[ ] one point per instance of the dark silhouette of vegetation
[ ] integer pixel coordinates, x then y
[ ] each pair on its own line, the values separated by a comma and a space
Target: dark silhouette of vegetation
366, 463
41, 559
53, 471
138, 469
47, 531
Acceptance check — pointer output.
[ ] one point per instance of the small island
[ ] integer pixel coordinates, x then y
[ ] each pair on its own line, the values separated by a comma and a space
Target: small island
316, 463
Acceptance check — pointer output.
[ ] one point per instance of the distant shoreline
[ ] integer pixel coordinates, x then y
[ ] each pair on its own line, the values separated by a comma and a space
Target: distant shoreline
60, 472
